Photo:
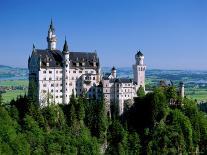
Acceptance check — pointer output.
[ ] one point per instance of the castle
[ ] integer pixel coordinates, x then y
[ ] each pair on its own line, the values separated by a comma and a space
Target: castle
56, 74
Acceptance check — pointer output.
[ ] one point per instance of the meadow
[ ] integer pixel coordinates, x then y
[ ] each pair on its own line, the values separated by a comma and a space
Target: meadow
195, 81
12, 93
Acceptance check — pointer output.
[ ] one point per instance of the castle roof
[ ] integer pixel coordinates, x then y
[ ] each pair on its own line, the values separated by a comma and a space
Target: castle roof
139, 53
121, 80
166, 83
113, 68
55, 58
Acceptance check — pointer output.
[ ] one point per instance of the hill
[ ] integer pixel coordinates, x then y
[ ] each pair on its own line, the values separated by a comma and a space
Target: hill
195, 81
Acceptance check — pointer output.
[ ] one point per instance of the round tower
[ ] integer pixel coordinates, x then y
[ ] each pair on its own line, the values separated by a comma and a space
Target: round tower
139, 57
113, 72
65, 78
139, 70
51, 37
182, 89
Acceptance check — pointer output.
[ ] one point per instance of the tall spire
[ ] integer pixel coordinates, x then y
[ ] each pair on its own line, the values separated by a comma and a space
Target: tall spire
51, 38
33, 48
65, 47
51, 26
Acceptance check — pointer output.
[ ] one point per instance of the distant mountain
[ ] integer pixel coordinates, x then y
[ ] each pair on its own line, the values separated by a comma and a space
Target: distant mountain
3, 66
11, 73
154, 75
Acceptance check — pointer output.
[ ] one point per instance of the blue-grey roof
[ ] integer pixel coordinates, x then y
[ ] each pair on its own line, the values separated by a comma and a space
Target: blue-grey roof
139, 53
166, 83
55, 58
121, 80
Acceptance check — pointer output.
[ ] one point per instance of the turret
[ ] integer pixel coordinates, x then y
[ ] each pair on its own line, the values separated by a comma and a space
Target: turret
65, 78
51, 38
113, 72
139, 57
33, 49
139, 70
182, 89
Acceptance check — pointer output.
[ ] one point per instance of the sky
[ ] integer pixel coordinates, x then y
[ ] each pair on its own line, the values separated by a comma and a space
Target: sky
172, 34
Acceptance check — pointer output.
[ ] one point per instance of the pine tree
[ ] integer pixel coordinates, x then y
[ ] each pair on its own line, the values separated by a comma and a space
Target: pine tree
140, 92
1, 99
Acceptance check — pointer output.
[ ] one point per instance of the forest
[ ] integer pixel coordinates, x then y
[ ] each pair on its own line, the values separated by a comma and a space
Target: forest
150, 126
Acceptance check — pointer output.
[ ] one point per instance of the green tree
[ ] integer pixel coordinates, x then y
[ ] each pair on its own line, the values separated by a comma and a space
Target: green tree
140, 91
34, 135
1, 99
117, 138
133, 143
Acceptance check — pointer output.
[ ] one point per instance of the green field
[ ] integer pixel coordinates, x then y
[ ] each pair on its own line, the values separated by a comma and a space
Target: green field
200, 94
9, 83
12, 94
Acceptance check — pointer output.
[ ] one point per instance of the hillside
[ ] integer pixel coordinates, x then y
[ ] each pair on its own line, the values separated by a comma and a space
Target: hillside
195, 81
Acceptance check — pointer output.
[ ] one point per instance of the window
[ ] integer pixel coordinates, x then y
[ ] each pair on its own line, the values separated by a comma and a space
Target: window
80, 71
94, 78
44, 85
44, 91
57, 85
50, 72
51, 90
56, 72
50, 78
57, 91
74, 71
91, 72
86, 72
56, 96
44, 79
44, 72
52, 85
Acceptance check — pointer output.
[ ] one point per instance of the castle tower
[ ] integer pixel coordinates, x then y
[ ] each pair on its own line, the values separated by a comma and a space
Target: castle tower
65, 78
51, 38
139, 70
113, 72
182, 89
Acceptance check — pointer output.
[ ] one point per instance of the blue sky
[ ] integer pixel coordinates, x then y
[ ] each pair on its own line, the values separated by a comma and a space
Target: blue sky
171, 33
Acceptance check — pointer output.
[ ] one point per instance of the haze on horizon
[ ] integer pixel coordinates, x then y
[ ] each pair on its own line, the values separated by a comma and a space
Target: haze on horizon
171, 34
